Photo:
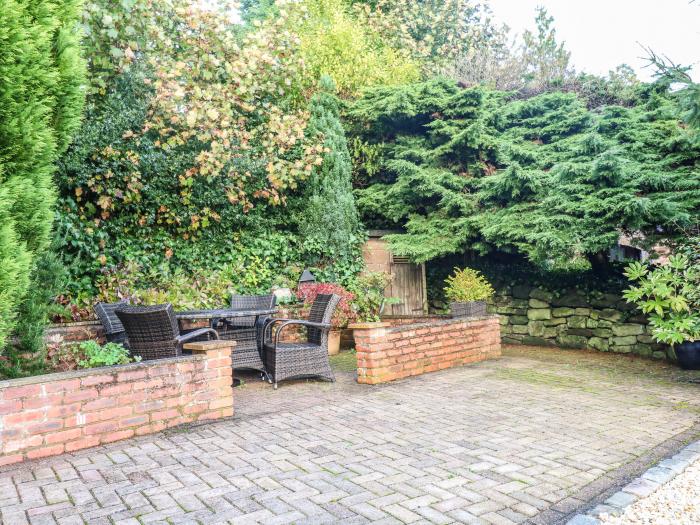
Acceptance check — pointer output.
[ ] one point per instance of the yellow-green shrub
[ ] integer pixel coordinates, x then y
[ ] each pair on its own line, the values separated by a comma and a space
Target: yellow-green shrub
467, 285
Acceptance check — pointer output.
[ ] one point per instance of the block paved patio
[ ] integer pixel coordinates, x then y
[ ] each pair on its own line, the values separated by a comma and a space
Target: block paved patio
527, 438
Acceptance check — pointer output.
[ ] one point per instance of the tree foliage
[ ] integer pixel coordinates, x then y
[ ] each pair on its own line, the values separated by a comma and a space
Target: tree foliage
194, 156
432, 32
470, 169
40, 106
330, 225
546, 60
533, 63
334, 41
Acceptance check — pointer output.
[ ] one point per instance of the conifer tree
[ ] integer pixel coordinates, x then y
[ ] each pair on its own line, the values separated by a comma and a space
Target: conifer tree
329, 223
41, 98
545, 177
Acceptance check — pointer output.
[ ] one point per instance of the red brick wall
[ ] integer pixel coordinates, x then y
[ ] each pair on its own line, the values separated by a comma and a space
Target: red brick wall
50, 414
412, 319
386, 353
59, 334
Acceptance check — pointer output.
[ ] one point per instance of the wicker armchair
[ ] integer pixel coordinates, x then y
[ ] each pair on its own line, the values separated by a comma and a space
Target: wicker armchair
250, 302
153, 331
112, 326
304, 359
245, 332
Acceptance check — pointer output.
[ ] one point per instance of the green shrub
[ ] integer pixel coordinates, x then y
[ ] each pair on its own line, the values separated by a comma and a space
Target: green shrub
467, 285
28, 356
105, 355
40, 106
330, 225
369, 298
474, 170
148, 226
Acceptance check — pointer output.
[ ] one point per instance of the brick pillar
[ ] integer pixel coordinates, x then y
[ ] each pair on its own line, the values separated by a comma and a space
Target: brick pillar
219, 374
367, 336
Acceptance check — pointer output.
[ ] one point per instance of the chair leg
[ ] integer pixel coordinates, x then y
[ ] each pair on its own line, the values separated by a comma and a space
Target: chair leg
275, 386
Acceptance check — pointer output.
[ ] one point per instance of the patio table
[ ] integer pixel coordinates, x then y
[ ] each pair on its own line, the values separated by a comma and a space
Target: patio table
225, 313
221, 313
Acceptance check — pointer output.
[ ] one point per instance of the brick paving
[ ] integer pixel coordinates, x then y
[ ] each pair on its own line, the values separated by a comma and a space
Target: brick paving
499, 442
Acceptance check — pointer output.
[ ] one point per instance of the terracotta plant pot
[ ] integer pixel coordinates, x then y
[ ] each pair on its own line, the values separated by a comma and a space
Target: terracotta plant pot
333, 342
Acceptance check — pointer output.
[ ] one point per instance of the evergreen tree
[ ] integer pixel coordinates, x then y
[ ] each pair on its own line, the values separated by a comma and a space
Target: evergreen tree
329, 223
467, 169
41, 99
547, 59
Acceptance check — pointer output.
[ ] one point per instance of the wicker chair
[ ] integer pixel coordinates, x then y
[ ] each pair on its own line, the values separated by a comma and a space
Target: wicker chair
305, 359
245, 332
153, 331
112, 326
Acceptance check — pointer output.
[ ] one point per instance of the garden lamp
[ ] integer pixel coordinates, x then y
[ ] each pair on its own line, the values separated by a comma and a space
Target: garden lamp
307, 277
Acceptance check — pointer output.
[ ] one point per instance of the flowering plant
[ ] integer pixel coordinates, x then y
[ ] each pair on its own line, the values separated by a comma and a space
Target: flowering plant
344, 313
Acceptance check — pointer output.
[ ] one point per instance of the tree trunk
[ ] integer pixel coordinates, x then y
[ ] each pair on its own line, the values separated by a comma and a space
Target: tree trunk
600, 262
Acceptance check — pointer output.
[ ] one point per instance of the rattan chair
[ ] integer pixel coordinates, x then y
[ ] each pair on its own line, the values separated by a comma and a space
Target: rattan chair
153, 331
112, 326
243, 330
304, 359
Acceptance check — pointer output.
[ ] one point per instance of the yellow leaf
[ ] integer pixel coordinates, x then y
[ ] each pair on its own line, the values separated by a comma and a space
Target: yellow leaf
192, 118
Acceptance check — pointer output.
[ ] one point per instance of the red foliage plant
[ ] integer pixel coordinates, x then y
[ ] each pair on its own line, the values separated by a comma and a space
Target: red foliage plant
344, 314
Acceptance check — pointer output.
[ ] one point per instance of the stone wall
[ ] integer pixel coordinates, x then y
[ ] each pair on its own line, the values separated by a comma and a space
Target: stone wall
386, 353
50, 414
574, 319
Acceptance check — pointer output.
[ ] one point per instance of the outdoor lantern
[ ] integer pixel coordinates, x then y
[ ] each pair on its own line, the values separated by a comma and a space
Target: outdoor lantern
307, 277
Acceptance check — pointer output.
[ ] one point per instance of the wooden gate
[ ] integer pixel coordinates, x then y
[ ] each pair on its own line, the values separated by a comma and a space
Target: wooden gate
408, 279
408, 287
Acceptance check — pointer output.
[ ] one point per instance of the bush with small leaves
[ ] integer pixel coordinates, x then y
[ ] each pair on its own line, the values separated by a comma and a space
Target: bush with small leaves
467, 285
106, 355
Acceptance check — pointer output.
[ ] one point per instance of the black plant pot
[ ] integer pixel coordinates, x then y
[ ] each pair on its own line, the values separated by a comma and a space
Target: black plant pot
688, 355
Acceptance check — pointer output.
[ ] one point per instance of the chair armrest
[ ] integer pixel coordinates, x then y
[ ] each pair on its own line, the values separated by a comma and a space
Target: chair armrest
289, 322
267, 325
196, 333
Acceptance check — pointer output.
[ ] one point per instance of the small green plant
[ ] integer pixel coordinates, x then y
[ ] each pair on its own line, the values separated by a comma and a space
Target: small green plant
369, 300
467, 285
670, 296
105, 355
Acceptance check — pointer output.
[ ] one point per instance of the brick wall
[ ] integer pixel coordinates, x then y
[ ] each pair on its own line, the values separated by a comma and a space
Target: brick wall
59, 334
386, 353
50, 414
399, 320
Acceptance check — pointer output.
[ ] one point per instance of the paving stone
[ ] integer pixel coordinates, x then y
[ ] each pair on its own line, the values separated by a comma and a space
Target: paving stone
583, 520
506, 441
677, 465
641, 487
621, 499
658, 475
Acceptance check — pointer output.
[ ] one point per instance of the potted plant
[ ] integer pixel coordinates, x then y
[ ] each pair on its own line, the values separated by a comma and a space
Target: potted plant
369, 302
307, 292
467, 290
670, 296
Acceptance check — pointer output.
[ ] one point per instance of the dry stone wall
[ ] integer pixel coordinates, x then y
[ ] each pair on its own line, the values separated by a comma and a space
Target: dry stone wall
573, 319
